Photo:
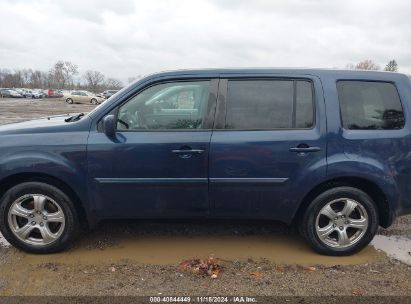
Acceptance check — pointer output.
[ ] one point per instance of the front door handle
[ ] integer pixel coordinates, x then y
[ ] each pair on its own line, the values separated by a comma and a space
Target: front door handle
305, 149
187, 153
191, 151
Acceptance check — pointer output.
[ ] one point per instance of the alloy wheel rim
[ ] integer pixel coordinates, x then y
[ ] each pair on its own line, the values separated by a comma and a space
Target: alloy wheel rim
341, 223
36, 219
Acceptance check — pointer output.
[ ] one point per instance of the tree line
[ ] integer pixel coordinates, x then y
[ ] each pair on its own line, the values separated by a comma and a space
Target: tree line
63, 75
368, 64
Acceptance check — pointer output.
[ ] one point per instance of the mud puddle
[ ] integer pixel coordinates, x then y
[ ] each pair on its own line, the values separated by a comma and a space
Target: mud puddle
396, 247
168, 250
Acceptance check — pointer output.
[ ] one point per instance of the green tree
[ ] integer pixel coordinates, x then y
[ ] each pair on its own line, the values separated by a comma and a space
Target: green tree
391, 66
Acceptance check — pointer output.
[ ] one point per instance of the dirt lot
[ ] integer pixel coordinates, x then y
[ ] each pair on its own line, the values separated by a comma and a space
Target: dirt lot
143, 257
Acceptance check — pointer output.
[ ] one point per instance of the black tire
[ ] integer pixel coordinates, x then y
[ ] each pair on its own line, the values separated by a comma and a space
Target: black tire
69, 100
94, 101
309, 222
71, 226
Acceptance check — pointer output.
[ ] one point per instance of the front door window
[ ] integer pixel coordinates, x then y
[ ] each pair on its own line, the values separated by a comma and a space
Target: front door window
180, 105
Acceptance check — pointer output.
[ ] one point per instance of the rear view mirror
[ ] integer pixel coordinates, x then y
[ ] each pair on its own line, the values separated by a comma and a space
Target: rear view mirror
109, 126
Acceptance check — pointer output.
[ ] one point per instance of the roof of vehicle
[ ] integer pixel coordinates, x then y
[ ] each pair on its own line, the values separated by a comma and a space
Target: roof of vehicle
273, 71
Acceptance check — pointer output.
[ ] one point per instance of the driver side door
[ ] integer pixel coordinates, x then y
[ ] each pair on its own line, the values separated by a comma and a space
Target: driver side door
157, 163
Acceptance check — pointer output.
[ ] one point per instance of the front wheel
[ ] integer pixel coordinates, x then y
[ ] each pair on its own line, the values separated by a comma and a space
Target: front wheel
94, 101
340, 221
38, 218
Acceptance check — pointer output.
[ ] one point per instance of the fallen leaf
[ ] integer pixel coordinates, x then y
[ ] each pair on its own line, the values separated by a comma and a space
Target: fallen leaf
183, 266
209, 267
356, 292
256, 274
310, 268
112, 269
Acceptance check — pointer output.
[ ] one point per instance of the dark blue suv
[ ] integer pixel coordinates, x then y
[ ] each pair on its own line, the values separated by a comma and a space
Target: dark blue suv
327, 150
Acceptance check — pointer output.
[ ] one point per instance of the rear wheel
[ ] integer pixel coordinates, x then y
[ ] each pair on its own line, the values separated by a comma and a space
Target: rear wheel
340, 221
38, 218
94, 101
69, 100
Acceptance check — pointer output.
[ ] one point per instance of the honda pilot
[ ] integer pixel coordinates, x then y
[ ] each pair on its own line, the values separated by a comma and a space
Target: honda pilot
328, 151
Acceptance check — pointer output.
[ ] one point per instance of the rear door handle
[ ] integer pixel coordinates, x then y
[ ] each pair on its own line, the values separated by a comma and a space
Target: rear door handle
305, 149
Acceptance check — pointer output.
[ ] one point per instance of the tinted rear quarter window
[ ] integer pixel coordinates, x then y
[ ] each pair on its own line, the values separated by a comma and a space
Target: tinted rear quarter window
269, 104
368, 105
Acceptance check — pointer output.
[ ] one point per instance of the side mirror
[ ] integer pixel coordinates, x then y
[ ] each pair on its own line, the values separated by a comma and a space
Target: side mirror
109, 126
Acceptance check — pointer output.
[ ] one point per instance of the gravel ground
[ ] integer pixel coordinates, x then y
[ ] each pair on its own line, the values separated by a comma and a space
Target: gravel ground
142, 257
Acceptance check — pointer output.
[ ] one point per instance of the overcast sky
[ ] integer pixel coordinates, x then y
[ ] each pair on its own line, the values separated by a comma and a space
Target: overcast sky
125, 38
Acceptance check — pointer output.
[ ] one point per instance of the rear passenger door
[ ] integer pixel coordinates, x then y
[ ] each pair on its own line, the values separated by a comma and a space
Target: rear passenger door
268, 145
83, 98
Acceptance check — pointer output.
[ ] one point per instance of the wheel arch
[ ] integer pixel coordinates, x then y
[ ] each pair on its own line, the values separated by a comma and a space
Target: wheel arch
366, 185
13, 180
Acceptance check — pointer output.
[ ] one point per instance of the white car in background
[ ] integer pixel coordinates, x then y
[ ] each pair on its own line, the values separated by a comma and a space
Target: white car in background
83, 97
32, 94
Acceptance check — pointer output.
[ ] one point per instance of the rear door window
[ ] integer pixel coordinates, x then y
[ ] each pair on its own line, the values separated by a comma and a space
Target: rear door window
368, 105
269, 104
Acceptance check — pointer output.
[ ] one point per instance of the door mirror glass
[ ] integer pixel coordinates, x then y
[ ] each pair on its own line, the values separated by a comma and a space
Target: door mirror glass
109, 125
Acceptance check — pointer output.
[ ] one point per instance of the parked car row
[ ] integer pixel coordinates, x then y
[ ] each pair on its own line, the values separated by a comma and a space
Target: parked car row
79, 96
24, 93
10, 93
21, 93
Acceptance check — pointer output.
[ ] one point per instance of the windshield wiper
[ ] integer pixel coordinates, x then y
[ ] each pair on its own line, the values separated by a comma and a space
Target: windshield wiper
74, 117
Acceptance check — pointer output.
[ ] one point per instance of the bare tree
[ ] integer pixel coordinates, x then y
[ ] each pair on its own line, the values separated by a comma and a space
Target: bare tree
113, 84
38, 79
367, 65
4, 78
391, 66
62, 74
94, 79
26, 76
